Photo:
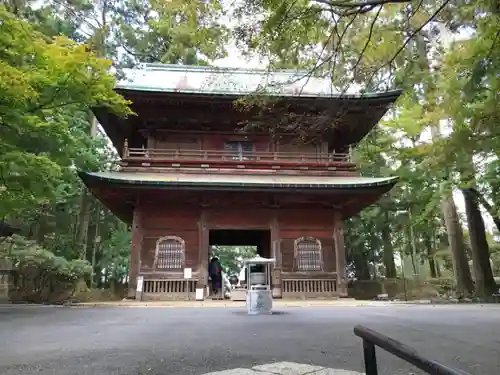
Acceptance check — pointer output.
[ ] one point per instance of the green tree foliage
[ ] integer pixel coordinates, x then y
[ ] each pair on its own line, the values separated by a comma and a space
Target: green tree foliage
48, 84
178, 31
41, 81
40, 276
148, 31
231, 257
350, 41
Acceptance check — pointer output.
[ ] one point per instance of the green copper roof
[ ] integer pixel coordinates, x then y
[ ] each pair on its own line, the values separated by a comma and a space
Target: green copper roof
192, 180
237, 82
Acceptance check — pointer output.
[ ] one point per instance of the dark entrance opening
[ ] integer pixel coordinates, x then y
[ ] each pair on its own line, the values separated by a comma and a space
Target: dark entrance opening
222, 243
261, 239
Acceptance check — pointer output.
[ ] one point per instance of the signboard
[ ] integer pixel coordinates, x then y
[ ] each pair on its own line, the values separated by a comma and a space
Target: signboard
188, 273
199, 294
140, 283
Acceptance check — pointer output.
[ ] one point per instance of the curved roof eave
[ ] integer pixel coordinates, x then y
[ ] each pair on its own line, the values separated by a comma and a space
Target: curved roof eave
232, 182
389, 96
98, 183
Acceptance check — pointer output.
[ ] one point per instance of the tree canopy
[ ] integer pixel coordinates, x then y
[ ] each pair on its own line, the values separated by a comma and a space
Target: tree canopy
44, 82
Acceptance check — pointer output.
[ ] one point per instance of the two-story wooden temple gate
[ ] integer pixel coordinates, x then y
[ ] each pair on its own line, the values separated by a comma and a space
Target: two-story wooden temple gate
189, 178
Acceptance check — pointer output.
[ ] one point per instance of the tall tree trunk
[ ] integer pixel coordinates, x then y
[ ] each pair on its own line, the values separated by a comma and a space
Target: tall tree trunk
465, 286
390, 265
463, 277
483, 275
362, 267
39, 230
98, 42
83, 223
487, 206
416, 268
432, 266
438, 268
430, 256
86, 204
97, 240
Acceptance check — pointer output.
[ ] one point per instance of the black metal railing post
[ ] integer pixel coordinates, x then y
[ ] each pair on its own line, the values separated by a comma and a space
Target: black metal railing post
371, 339
370, 358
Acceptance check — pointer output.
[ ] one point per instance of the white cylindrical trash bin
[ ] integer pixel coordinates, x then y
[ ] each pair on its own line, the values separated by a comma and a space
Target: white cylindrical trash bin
259, 300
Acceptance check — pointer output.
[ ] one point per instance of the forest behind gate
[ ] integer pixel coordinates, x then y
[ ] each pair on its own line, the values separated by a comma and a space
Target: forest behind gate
59, 58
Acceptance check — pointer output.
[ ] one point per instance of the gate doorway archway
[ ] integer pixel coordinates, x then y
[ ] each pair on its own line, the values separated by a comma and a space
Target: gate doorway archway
231, 246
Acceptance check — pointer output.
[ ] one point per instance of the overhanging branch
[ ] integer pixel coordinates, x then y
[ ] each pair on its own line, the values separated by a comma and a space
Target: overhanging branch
408, 39
359, 4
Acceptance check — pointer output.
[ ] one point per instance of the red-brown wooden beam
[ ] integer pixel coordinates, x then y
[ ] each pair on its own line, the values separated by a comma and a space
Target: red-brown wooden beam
338, 236
203, 250
135, 253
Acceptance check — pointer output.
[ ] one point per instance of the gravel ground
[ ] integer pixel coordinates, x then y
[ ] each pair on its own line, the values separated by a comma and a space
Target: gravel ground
66, 341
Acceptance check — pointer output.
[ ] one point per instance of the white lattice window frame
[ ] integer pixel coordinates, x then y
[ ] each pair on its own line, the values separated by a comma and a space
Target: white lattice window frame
170, 238
296, 244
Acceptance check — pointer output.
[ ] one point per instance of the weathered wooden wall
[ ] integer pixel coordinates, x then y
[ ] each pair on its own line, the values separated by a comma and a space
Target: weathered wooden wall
262, 143
286, 226
160, 221
301, 223
238, 218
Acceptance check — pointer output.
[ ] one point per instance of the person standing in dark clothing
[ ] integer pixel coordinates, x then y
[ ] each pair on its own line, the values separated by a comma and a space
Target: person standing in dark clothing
215, 272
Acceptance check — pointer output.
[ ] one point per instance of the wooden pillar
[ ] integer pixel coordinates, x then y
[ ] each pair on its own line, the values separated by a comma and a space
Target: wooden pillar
276, 254
203, 240
338, 237
135, 253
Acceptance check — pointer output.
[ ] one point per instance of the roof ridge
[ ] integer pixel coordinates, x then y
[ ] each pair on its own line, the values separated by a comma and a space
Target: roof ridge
215, 69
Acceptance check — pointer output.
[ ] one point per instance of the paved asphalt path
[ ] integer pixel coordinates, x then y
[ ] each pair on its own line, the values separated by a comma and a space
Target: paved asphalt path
67, 341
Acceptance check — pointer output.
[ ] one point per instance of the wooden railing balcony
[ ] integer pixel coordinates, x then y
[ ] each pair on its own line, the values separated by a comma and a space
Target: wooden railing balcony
160, 157
217, 155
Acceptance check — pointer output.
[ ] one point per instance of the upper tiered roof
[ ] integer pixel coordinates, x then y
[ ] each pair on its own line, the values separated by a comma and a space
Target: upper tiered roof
200, 97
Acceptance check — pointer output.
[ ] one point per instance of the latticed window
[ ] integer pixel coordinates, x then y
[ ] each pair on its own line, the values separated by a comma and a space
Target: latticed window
169, 253
308, 255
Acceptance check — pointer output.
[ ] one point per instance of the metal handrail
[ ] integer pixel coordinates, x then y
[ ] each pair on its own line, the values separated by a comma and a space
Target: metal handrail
372, 338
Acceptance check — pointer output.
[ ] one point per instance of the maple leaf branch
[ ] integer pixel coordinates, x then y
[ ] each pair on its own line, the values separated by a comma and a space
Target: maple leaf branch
8, 126
367, 42
408, 39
